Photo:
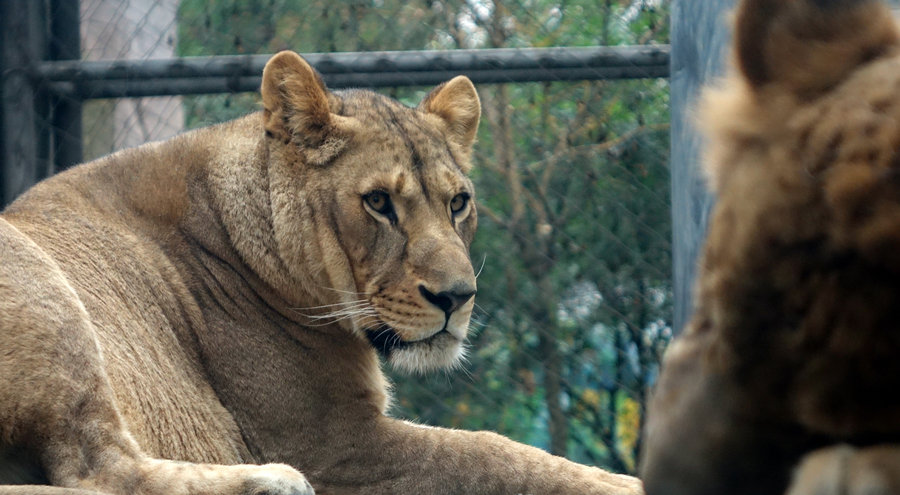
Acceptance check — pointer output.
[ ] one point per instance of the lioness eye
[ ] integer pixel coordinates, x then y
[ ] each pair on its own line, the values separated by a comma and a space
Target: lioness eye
459, 202
379, 201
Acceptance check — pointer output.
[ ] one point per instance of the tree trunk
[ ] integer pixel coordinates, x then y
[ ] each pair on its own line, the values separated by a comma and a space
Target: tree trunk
641, 324
551, 361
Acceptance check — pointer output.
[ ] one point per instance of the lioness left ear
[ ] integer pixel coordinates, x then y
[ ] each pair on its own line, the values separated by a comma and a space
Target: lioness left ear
457, 103
296, 108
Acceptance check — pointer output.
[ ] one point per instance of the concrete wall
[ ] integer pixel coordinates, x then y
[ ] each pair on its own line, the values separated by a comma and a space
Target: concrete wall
129, 29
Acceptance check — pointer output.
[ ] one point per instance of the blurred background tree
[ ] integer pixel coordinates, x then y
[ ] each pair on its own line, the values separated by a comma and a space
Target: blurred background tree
574, 292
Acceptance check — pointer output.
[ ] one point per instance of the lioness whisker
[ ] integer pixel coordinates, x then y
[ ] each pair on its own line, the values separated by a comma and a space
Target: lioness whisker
333, 314
382, 332
369, 321
483, 260
340, 310
359, 302
474, 322
329, 322
357, 311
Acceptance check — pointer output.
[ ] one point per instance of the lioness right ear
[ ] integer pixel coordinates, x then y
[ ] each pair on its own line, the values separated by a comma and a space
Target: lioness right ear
296, 107
809, 45
456, 103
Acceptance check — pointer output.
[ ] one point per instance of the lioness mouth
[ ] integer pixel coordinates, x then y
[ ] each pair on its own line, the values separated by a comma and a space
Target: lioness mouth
385, 340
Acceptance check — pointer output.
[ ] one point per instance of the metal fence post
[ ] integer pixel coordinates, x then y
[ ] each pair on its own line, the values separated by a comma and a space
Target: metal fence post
23, 44
699, 35
65, 120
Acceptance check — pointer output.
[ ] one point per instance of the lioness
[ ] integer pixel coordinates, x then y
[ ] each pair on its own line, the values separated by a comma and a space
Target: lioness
222, 298
787, 379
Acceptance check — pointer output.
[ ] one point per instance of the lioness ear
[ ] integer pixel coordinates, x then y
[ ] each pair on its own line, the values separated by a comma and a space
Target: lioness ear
296, 108
809, 45
457, 103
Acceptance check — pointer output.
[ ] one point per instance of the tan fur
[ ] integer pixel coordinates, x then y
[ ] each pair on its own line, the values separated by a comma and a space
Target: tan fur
794, 341
218, 298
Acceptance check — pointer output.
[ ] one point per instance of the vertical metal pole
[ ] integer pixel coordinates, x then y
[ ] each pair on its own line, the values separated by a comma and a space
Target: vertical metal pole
65, 121
700, 36
23, 44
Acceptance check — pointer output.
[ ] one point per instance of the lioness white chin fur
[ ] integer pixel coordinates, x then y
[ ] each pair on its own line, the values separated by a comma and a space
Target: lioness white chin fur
221, 298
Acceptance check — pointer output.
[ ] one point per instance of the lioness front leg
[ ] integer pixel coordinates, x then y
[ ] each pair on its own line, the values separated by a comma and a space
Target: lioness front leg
56, 402
844, 470
402, 458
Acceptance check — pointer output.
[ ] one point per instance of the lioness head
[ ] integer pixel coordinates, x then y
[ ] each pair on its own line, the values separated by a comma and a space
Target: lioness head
372, 210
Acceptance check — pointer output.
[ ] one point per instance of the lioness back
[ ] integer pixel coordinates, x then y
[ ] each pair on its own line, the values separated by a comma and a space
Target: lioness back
108, 228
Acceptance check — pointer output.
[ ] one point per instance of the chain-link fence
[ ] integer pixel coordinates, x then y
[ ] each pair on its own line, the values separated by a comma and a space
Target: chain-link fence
575, 292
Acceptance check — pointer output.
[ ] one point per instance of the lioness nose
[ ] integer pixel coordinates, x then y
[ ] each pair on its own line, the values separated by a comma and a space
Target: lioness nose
448, 300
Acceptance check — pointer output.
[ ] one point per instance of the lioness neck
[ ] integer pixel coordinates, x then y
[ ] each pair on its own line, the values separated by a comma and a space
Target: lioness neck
231, 211
201, 195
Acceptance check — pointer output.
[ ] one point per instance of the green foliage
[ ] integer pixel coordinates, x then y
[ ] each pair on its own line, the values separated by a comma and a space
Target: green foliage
574, 297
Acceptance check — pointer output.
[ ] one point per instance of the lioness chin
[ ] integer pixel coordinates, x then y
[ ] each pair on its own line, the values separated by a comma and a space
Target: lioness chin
222, 297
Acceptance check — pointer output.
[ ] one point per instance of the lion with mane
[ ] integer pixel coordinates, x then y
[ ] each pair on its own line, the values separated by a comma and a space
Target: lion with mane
787, 378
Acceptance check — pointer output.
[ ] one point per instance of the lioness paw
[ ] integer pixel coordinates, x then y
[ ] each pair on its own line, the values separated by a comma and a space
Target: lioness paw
164, 477
277, 479
630, 485
624, 485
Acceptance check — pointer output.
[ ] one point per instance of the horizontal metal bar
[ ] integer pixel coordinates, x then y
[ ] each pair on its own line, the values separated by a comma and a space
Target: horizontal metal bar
122, 88
368, 62
193, 75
